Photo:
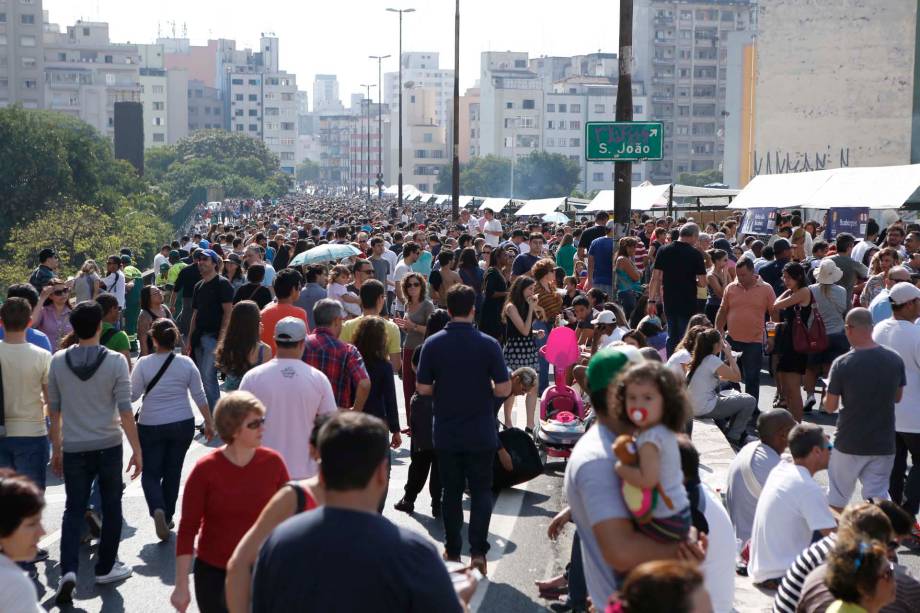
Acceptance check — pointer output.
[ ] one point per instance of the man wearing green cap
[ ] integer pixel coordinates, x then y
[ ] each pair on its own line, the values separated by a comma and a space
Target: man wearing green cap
611, 547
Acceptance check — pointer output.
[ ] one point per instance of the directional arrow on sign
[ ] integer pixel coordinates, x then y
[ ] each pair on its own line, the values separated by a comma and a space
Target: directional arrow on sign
653, 132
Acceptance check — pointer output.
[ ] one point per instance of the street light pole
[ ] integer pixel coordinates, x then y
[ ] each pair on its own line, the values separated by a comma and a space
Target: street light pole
379, 59
367, 119
455, 178
622, 171
400, 188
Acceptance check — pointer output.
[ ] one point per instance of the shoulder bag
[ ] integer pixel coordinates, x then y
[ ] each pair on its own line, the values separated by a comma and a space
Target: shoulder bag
155, 380
809, 339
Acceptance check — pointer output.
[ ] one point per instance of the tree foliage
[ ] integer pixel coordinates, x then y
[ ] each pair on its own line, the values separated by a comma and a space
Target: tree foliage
308, 171
48, 157
235, 163
538, 175
700, 179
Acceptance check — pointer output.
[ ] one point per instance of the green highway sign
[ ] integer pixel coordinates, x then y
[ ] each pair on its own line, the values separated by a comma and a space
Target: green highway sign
623, 141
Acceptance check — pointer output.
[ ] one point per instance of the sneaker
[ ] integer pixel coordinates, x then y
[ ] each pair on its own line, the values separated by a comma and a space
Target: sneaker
159, 522
94, 523
40, 556
479, 563
436, 510
405, 506
64, 593
913, 540
810, 403
119, 571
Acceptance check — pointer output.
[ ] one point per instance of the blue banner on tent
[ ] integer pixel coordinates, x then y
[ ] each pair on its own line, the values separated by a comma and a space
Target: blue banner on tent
758, 221
851, 220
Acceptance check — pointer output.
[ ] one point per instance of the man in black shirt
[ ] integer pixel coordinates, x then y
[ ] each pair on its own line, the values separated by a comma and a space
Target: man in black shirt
344, 556
186, 280
211, 304
772, 273
679, 271
598, 230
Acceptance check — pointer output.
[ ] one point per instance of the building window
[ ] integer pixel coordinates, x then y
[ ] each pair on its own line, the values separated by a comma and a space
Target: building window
159, 137
575, 108
574, 142
253, 82
29, 62
253, 112
550, 108
509, 105
287, 156
236, 81
27, 41
599, 108
637, 109
549, 124
287, 125
2, 17
597, 176
27, 19
108, 59
158, 121
253, 127
158, 106
428, 137
239, 127
157, 89
30, 84
528, 104
238, 113
562, 124
563, 108
253, 97
575, 125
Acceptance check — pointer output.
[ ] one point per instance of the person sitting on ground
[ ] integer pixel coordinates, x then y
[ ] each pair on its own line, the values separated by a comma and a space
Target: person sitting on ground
680, 359
792, 504
859, 576
400, 570
750, 468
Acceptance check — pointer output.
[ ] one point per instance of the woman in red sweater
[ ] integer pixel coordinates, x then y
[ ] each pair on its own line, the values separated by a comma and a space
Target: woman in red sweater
223, 496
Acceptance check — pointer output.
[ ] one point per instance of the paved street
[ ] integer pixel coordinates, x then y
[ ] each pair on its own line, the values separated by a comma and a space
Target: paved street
520, 550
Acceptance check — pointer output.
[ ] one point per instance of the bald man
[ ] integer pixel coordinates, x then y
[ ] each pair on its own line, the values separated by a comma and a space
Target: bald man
748, 471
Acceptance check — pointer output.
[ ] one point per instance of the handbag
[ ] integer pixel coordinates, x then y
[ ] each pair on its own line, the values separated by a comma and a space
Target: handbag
524, 458
809, 339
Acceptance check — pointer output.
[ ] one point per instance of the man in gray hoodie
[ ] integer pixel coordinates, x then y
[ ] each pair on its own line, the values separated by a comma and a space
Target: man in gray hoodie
89, 394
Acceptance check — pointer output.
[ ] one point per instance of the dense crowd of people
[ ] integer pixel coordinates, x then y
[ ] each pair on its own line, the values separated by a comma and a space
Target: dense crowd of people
295, 328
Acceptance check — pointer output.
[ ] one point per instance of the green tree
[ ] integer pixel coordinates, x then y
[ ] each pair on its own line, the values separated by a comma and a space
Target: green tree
482, 176
699, 179
47, 157
545, 175
308, 171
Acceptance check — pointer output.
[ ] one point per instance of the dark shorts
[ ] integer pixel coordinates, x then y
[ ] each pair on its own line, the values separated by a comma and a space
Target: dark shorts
837, 345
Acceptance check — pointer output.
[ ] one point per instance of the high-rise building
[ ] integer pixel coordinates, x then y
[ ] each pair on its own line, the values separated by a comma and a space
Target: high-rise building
544, 104
22, 56
469, 125
422, 70
336, 133
326, 94
205, 107
164, 96
425, 148
86, 73
681, 54
262, 99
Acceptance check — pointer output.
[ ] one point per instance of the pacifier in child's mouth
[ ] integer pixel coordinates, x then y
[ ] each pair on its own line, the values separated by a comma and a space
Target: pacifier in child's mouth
638, 415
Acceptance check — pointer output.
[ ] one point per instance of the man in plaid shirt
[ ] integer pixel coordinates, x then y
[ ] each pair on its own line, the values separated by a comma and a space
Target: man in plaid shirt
339, 361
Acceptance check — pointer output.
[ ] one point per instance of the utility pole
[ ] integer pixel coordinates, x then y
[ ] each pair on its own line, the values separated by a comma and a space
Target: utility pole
400, 188
367, 119
455, 177
379, 59
622, 171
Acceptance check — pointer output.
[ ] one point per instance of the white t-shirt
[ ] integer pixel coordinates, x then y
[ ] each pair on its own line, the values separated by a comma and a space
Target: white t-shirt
703, 387
903, 337
293, 393
791, 508
115, 284
17, 592
677, 361
492, 225
719, 565
336, 291
159, 259
391, 258
741, 502
607, 339
402, 269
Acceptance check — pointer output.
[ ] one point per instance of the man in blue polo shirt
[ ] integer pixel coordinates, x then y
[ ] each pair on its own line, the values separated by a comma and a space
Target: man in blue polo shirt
465, 371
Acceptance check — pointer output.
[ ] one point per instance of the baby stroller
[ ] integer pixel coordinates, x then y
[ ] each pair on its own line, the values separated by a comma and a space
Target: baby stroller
562, 413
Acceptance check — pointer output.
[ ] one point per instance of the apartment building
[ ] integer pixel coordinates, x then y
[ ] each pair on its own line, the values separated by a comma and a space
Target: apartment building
681, 53
164, 96
337, 134
425, 141
22, 54
469, 125
326, 94
205, 107
421, 69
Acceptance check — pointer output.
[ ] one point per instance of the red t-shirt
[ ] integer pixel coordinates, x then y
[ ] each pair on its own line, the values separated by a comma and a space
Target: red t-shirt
221, 501
272, 314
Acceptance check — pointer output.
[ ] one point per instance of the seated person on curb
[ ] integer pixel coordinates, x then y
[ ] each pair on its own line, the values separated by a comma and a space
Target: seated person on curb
791, 508
749, 470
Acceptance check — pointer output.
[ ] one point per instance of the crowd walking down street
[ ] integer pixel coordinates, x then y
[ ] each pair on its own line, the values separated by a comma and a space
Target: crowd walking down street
330, 404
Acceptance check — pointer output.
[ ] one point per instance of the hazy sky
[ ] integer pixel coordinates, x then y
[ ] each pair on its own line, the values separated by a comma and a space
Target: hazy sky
336, 36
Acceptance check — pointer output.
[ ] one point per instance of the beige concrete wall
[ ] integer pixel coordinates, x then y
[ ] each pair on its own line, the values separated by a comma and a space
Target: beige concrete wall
834, 84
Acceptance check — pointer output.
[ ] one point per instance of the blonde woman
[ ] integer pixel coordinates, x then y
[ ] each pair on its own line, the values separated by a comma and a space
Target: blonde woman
86, 285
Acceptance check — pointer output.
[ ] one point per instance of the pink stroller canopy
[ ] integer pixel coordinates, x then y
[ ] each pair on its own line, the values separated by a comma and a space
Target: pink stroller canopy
561, 348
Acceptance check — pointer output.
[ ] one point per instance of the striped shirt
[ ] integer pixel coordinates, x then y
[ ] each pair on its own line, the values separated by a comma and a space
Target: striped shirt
551, 302
790, 588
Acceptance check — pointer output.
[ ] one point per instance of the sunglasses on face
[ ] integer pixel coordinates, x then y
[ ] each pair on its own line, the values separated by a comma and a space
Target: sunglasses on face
61, 292
256, 424
413, 284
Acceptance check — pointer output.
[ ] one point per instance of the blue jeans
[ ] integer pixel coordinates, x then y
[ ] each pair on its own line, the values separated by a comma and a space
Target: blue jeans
751, 359
79, 471
459, 468
578, 589
27, 455
204, 358
543, 365
627, 299
677, 327
163, 448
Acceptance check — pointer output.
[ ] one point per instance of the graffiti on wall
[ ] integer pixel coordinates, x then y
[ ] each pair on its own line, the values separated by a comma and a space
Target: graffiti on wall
780, 162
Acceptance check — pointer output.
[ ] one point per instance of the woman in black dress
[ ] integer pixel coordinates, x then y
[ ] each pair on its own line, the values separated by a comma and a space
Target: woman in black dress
792, 364
494, 294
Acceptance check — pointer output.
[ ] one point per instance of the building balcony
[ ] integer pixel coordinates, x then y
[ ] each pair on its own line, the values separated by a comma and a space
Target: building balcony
663, 21
660, 61
661, 99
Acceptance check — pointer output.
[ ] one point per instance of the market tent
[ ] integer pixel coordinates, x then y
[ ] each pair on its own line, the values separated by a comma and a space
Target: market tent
465, 201
791, 190
884, 187
496, 204
393, 190
540, 206
441, 200
643, 198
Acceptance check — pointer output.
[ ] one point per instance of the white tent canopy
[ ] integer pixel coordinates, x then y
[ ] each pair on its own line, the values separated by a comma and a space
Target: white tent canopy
393, 190
441, 200
541, 206
882, 187
646, 197
465, 201
496, 204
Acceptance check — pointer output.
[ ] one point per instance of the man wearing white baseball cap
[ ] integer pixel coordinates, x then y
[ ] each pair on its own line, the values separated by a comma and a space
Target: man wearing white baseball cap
294, 394
900, 334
